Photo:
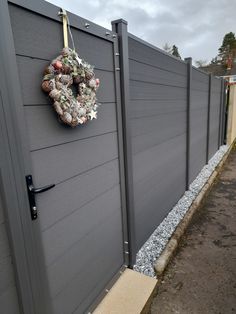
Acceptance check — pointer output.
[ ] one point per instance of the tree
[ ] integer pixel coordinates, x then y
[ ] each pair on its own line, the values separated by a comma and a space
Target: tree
200, 63
227, 51
175, 52
215, 60
228, 43
167, 48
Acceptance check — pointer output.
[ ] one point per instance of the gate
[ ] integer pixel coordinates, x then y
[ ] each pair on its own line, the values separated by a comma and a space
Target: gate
78, 239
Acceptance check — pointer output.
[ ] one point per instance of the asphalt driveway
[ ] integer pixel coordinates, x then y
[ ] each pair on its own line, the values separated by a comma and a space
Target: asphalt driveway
202, 276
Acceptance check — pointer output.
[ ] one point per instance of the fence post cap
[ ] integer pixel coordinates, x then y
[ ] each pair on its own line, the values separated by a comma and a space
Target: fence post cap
188, 59
119, 21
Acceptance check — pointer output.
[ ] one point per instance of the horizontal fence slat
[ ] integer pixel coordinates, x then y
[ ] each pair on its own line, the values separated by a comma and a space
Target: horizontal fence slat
63, 235
44, 39
32, 78
104, 267
7, 279
146, 54
153, 131
141, 90
162, 174
148, 73
60, 163
9, 301
109, 228
55, 133
149, 108
53, 207
4, 244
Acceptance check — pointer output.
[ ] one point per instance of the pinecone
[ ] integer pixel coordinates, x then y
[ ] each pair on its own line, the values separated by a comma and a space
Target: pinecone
89, 75
46, 86
78, 79
55, 94
66, 69
65, 51
58, 108
48, 70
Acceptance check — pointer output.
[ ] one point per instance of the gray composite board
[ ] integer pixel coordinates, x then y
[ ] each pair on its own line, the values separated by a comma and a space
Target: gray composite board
8, 295
146, 108
143, 72
154, 130
198, 123
83, 211
148, 91
214, 128
158, 100
158, 184
69, 260
62, 162
55, 241
48, 41
216, 85
154, 57
32, 78
103, 267
100, 179
54, 134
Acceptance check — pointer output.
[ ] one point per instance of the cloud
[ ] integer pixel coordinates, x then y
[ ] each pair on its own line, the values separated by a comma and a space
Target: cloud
196, 27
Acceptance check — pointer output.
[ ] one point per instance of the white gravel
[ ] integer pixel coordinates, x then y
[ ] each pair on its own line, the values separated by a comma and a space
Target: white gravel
153, 247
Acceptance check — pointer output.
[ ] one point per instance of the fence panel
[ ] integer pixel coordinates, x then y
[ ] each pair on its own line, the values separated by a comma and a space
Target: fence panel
215, 115
198, 122
158, 100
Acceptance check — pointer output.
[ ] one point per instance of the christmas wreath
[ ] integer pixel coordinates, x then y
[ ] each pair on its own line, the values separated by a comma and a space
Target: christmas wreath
68, 70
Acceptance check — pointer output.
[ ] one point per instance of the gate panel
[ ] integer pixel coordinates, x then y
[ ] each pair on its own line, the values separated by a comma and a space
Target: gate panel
81, 220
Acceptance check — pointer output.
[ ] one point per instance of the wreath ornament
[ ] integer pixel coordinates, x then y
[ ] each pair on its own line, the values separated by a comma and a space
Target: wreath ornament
66, 71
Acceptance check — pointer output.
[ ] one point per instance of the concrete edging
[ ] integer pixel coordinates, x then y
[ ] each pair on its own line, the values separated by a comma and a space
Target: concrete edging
167, 254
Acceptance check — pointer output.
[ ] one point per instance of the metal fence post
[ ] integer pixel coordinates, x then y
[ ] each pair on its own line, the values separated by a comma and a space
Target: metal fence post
208, 117
188, 130
120, 27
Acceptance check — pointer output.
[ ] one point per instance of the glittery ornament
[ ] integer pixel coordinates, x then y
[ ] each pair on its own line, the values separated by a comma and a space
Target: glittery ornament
57, 65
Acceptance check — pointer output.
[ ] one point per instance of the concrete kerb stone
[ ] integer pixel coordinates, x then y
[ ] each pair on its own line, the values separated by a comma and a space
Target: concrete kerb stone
168, 252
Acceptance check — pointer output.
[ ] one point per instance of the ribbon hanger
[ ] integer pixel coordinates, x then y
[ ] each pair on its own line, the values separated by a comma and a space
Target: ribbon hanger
66, 28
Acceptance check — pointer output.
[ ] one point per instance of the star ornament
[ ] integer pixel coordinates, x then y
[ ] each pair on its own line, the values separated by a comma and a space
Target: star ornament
93, 115
78, 60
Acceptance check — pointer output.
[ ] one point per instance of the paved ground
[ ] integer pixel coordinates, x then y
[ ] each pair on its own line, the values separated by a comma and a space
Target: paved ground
202, 276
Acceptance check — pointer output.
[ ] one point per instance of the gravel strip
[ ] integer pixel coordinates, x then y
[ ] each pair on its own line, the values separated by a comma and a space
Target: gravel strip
154, 246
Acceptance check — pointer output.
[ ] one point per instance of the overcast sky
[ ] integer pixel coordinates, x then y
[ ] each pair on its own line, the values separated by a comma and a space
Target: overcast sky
197, 27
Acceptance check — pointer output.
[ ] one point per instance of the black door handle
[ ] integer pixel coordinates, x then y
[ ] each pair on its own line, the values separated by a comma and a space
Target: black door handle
31, 195
40, 190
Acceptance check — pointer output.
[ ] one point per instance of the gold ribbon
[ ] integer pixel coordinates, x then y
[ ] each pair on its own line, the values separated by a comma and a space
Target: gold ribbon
65, 27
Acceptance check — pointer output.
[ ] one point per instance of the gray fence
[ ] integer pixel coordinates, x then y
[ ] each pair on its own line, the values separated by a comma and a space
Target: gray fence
116, 178
173, 120
158, 96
